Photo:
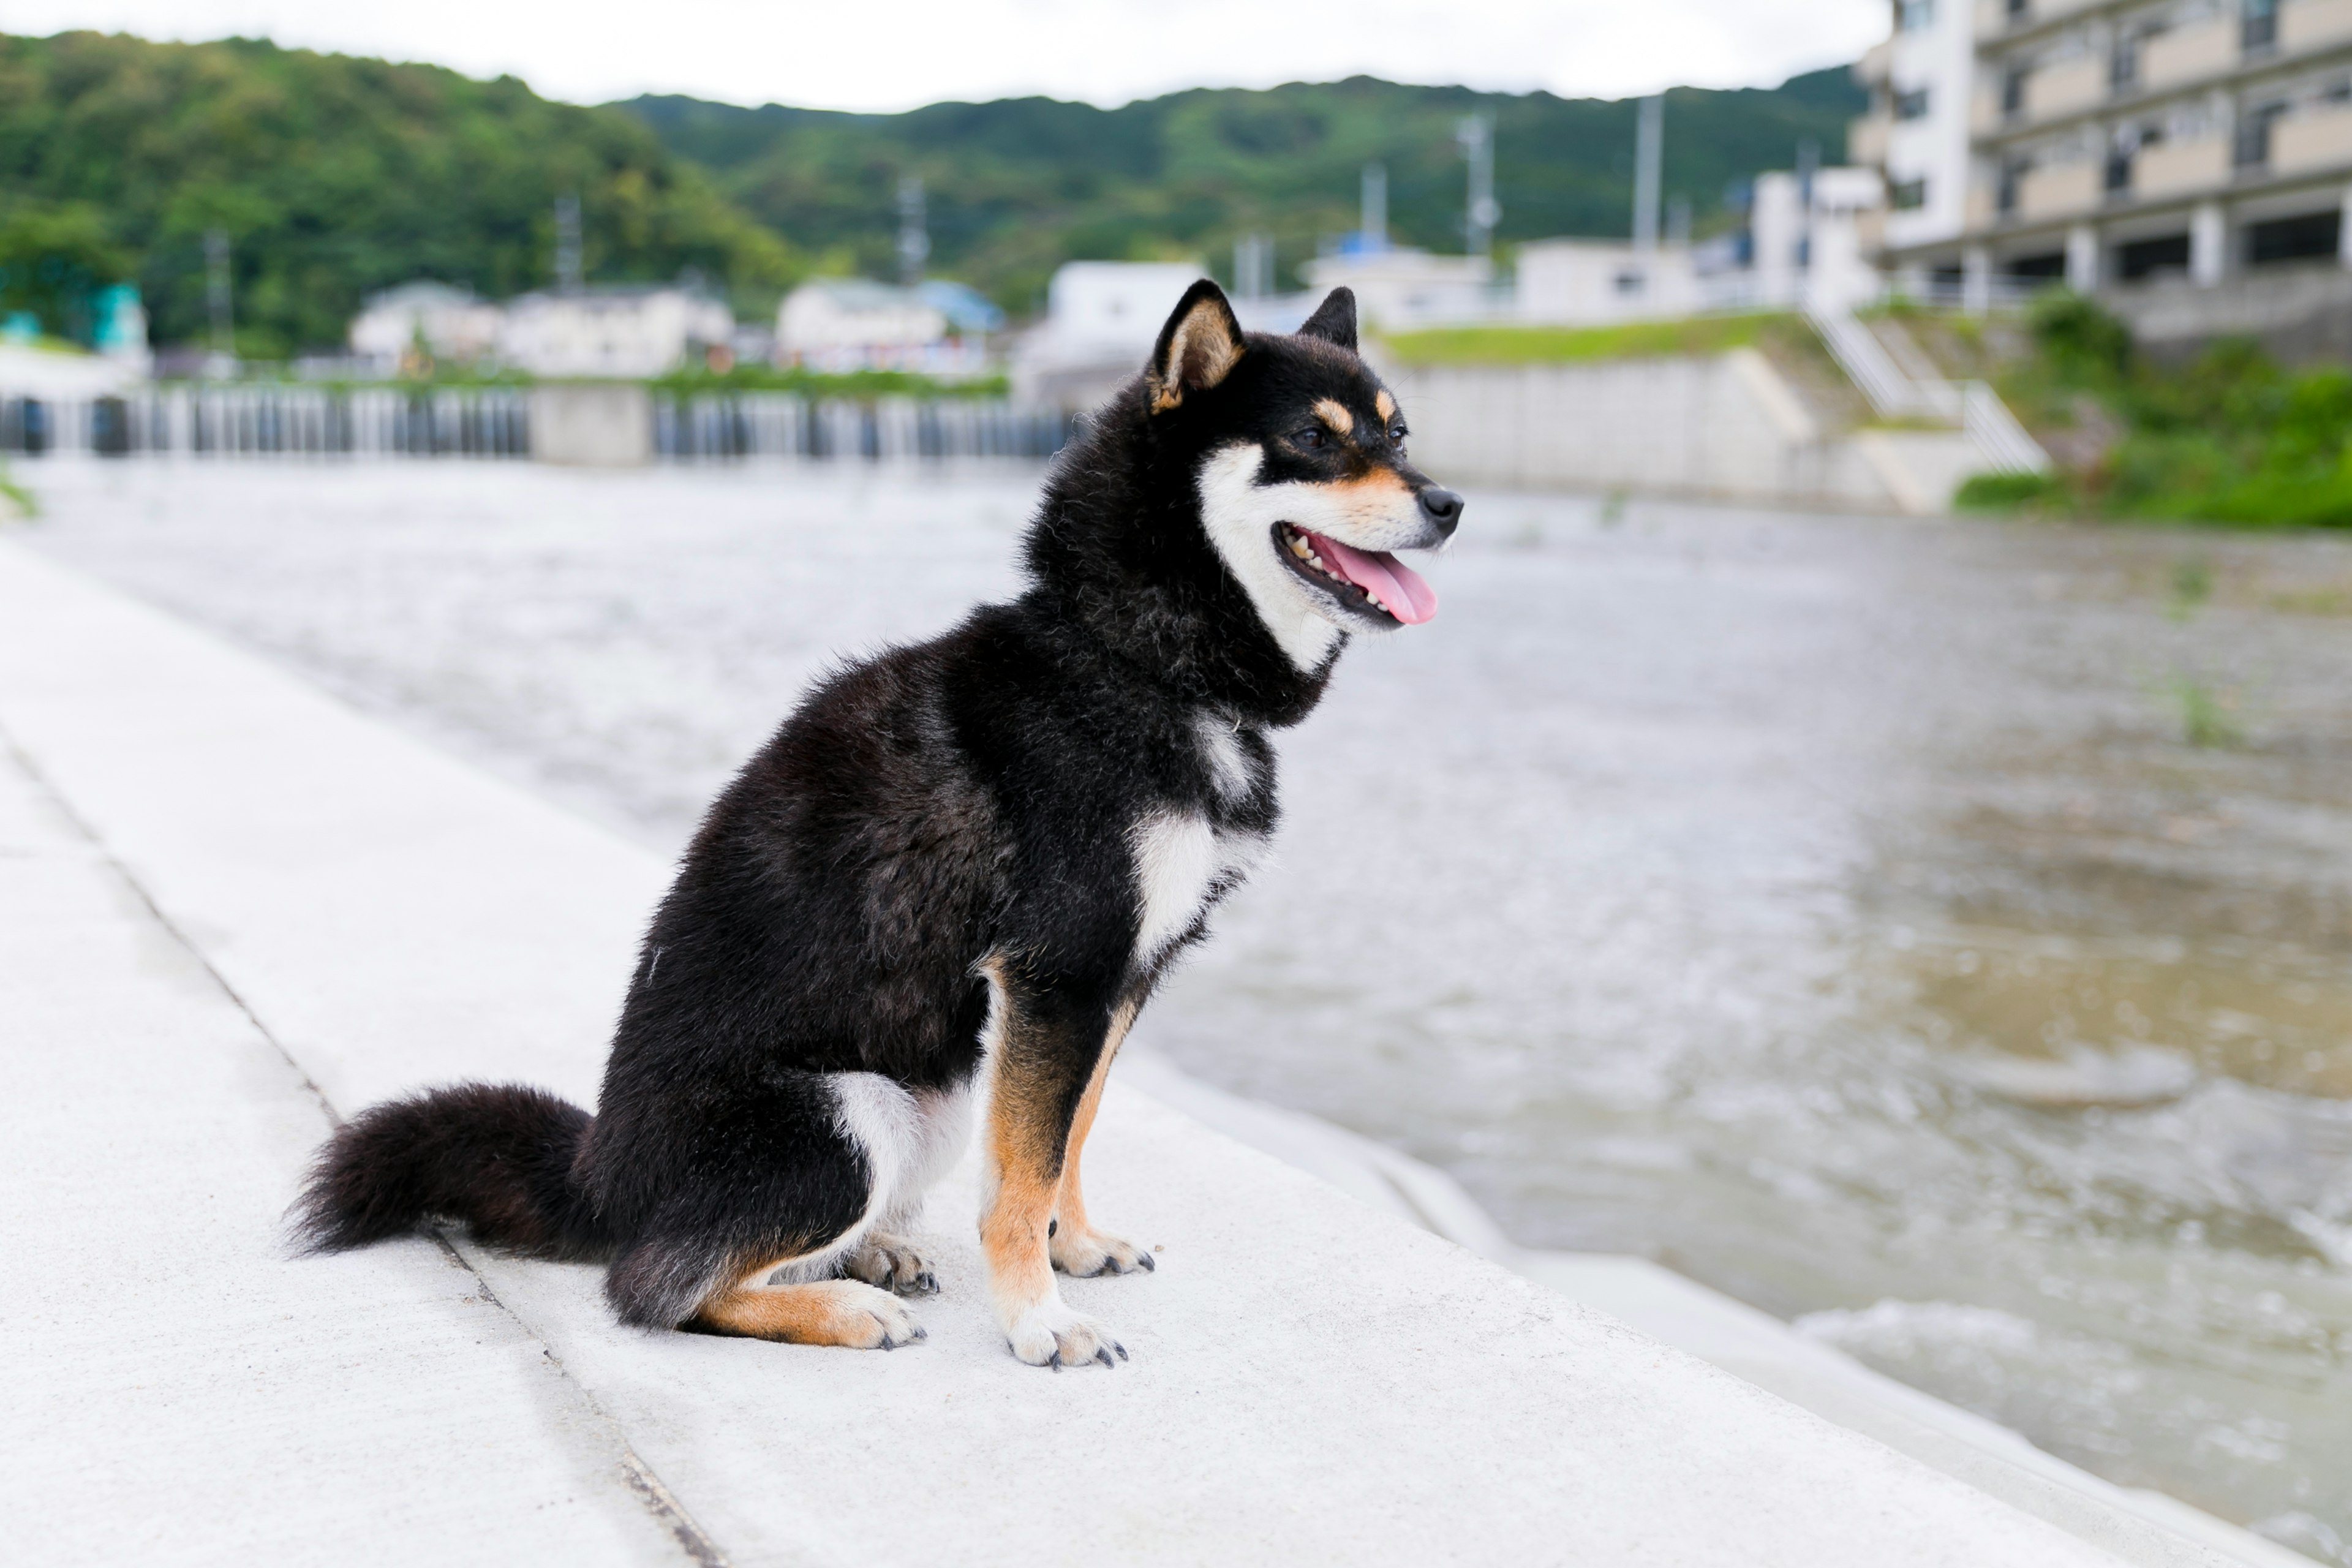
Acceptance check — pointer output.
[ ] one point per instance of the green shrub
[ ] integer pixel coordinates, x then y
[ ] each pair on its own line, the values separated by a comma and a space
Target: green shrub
2009, 492
2083, 343
2231, 436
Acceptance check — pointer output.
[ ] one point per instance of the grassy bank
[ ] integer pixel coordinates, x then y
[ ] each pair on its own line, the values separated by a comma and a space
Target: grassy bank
1573, 345
2231, 438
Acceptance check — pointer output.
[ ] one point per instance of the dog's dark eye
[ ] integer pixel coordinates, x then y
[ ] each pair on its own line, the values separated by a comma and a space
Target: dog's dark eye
1312, 438
1397, 433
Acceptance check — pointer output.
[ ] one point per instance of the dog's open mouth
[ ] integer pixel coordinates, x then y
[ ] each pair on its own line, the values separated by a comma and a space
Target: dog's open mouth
1372, 583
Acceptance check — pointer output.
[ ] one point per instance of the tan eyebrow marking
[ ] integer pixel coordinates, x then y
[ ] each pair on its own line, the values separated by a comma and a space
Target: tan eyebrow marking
1334, 415
1383, 404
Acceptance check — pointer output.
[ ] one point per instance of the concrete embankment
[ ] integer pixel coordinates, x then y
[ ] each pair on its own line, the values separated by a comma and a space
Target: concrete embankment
233, 909
1725, 427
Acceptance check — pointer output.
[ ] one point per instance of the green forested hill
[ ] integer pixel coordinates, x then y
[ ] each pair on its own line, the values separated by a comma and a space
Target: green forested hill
1017, 186
332, 177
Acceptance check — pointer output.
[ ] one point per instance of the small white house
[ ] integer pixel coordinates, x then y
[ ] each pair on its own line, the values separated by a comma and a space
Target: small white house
1400, 289
1095, 308
1597, 281
624, 331
855, 323
1101, 319
453, 324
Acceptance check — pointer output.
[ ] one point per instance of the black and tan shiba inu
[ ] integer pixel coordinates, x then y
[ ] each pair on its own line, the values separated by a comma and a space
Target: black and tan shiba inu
951, 880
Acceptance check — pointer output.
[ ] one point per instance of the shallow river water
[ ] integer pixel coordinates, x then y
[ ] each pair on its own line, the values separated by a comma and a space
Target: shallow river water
1939, 934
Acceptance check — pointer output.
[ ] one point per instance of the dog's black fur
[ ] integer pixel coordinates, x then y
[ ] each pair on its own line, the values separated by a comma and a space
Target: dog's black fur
930, 823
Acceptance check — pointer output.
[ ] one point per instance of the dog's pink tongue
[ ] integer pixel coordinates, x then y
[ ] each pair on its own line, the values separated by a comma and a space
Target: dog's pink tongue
1397, 586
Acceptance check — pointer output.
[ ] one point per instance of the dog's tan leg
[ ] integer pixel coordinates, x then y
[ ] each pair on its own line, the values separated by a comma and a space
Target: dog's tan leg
823, 1312
1075, 1248
1041, 1059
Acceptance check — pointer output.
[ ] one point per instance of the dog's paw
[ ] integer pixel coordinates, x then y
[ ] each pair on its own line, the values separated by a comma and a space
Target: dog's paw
1050, 1334
865, 1319
887, 1263
826, 1313
1083, 1253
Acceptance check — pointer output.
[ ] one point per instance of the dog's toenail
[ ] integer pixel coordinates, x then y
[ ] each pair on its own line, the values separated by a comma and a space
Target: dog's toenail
1148, 1266
1052, 1225
1104, 1356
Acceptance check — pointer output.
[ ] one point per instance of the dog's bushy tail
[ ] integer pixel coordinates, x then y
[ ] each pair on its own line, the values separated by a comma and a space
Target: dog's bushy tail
496, 1156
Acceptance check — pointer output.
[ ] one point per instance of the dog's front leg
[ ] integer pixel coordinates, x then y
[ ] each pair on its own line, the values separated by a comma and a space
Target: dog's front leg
1075, 1246
1048, 1041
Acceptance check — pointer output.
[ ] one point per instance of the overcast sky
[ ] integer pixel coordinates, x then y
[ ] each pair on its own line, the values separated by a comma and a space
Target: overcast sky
886, 55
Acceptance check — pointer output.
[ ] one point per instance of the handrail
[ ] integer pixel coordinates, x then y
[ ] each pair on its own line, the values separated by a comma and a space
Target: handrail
2000, 439
1974, 408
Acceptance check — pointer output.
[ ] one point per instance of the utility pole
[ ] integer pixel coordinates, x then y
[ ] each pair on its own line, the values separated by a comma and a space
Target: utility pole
1808, 164
914, 237
1475, 134
218, 302
1373, 225
1253, 266
568, 274
1649, 150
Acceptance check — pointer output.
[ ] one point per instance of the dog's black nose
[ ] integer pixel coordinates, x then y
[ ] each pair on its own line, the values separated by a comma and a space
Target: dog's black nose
1442, 508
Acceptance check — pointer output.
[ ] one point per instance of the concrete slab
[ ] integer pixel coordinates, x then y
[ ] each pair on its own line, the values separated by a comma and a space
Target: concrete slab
181, 1391
2140, 1527
1312, 1382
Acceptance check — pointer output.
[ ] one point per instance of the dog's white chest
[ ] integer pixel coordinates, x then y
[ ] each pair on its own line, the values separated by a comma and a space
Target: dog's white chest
1180, 864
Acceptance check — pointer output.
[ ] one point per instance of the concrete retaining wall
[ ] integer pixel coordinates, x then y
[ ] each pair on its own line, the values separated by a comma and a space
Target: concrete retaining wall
1726, 425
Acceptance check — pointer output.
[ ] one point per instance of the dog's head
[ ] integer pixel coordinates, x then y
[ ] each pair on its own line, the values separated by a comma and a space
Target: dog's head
1297, 454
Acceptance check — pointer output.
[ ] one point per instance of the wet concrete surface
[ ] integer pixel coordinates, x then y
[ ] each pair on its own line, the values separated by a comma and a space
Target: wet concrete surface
1937, 933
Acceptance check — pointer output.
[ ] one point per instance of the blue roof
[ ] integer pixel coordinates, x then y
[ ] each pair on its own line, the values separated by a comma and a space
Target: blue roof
966, 307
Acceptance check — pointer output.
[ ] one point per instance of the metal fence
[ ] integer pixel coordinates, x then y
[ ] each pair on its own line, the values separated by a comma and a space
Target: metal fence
781, 424
275, 421
494, 422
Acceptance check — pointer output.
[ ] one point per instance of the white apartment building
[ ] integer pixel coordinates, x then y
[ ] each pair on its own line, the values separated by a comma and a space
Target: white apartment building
2114, 143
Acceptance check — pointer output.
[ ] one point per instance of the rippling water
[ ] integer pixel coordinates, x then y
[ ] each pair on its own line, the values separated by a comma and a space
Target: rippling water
1939, 934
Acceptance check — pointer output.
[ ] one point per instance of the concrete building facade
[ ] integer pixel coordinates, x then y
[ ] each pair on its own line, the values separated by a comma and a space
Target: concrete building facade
2146, 148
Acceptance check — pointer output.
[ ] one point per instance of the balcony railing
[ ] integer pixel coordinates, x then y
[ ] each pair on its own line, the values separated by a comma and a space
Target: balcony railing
2059, 192
2316, 139
2169, 168
1995, 17
2188, 54
1865, 140
2313, 24
2064, 88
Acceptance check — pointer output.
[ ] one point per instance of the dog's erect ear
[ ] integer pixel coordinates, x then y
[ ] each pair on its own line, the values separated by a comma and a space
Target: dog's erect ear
1198, 348
1334, 320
